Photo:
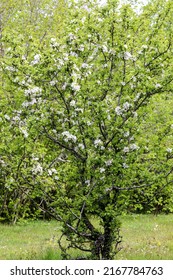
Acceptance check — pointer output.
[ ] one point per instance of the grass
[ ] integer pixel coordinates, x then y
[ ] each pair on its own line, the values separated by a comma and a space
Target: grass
30, 240
145, 237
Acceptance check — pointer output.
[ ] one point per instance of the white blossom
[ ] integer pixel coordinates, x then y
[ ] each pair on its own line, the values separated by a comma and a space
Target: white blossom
135, 114
10, 68
109, 162
33, 101
138, 95
97, 142
36, 60
140, 51
37, 169
112, 51
29, 80
81, 48
102, 170
7, 117
52, 171
75, 86
132, 85
144, 47
75, 69
87, 8
24, 131
8, 49
83, 20
118, 110
87, 73
158, 86
127, 56
79, 110
35, 158
49, 172
33, 91
126, 134
84, 65
16, 80
68, 136
2, 162
36, 90
125, 165
134, 79
126, 106
72, 103
54, 42
134, 147
23, 83
123, 83
16, 118
60, 63
90, 123
53, 82
81, 146
71, 36
104, 48
131, 138
64, 86
108, 117
25, 104
169, 150
65, 57
88, 182
126, 150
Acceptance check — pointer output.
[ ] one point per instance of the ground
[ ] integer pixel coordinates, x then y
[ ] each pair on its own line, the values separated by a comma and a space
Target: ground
145, 237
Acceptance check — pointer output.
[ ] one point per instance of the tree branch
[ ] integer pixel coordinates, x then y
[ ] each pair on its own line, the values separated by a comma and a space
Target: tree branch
76, 154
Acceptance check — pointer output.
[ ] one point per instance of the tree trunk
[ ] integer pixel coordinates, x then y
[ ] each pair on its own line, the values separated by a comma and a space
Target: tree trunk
108, 239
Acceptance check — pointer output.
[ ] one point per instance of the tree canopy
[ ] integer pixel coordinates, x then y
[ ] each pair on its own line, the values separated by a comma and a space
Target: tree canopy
79, 118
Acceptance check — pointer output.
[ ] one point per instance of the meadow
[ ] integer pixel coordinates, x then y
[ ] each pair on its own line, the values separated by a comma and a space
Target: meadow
145, 237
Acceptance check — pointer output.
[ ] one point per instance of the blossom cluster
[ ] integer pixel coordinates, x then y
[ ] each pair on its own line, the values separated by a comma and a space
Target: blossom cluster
24, 131
130, 148
37, 169
33, 91
121, 110
36, 59
99, 144
68, 136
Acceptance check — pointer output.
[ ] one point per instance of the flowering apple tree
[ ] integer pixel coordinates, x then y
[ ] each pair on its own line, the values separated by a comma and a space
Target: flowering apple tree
81, 103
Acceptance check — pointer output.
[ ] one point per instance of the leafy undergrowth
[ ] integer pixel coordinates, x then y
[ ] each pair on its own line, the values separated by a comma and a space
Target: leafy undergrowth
144, 237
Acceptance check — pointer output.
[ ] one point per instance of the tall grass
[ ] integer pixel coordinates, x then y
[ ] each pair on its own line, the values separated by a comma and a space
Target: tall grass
144, 237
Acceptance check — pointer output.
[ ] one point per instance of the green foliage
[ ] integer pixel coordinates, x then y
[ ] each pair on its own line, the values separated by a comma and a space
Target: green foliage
157, 127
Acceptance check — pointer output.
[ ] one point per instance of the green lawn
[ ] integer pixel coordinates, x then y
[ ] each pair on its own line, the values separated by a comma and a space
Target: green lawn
144, 237
147, 237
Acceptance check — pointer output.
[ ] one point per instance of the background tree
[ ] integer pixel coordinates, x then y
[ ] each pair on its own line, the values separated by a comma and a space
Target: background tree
156, 125
24, 26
